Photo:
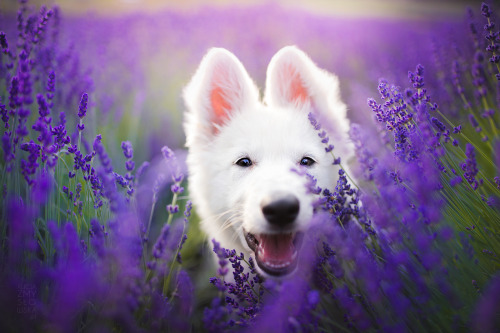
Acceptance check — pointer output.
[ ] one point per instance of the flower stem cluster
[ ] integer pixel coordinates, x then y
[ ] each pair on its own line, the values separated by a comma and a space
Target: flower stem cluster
243, 297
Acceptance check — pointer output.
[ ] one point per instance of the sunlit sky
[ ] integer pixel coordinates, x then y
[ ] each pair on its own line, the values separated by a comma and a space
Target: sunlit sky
370, 8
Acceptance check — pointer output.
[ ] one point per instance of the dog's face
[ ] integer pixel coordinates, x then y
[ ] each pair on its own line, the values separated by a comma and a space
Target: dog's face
242, 152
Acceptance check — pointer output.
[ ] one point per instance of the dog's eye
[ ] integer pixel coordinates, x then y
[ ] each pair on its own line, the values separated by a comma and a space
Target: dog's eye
244, 162
307, 161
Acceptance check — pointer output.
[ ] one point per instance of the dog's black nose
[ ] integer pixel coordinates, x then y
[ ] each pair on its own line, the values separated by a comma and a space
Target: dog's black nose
280, 209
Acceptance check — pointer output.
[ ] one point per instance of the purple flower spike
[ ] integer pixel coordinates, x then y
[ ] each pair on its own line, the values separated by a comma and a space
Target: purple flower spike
130, 165
485, 10
101, 153
470, 166
187, 212
438, 124
51, 86
82, 110
473, 121
14, 100
416, 78
7, 147
175, 188
178, 177
455, 181
42, 188
3, 42
172, 209
43, 109
168, 154
314, 121
142, 169
128, 151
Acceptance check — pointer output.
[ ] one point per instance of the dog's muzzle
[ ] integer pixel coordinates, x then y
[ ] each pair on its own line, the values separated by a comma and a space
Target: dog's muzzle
276, 253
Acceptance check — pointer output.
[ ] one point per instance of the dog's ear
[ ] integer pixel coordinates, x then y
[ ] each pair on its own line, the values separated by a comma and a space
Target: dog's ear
293, 80
220, 87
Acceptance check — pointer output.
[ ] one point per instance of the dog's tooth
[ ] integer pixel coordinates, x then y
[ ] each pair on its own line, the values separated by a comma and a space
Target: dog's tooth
273, 265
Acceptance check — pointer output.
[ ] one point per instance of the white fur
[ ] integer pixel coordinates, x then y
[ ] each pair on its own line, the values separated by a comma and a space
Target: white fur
274, 134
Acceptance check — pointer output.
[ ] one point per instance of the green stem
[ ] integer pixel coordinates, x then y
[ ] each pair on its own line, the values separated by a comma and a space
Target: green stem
166, 282
170, 215
468, 140
492, 124
347, 174
80, 135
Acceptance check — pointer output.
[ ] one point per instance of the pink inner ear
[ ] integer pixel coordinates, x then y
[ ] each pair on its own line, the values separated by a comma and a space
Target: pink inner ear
220, 105
297, 90
220, 99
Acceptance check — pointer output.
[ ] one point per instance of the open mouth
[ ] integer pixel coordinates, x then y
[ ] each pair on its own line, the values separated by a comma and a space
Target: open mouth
275, 254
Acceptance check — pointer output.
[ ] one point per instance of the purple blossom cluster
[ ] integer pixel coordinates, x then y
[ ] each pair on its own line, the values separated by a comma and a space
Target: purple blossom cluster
470, 167
127, 181
385, 255
492, 36
72, 247
361, 269
243, 292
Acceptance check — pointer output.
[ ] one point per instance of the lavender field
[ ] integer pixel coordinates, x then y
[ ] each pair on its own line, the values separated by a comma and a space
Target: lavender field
97, 233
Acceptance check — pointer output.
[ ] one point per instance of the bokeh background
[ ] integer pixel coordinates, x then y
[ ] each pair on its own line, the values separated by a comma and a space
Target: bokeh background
357, 8
138, 54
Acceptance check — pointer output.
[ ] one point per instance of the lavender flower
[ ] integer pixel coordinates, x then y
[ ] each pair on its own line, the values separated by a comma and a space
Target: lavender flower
317, 126
51, 87
222, 271
474, 122
470, 166
456, 76
42, 23
141, 170
478, 75
172, 209
101, 153
29, 166
14, 100
244, 295
485, 10
82, 109
128, 152
159, 246
3, 42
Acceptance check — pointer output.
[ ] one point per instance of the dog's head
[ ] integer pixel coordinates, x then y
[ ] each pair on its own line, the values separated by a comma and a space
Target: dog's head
242, 152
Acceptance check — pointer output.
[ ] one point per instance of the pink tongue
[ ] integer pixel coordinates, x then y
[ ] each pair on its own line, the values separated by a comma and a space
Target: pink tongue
276, 249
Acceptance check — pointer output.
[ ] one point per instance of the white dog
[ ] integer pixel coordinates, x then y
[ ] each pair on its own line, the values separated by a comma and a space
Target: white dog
242, 152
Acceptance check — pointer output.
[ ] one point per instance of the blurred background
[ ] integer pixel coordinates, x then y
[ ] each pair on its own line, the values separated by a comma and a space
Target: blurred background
134, 56
370, 8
